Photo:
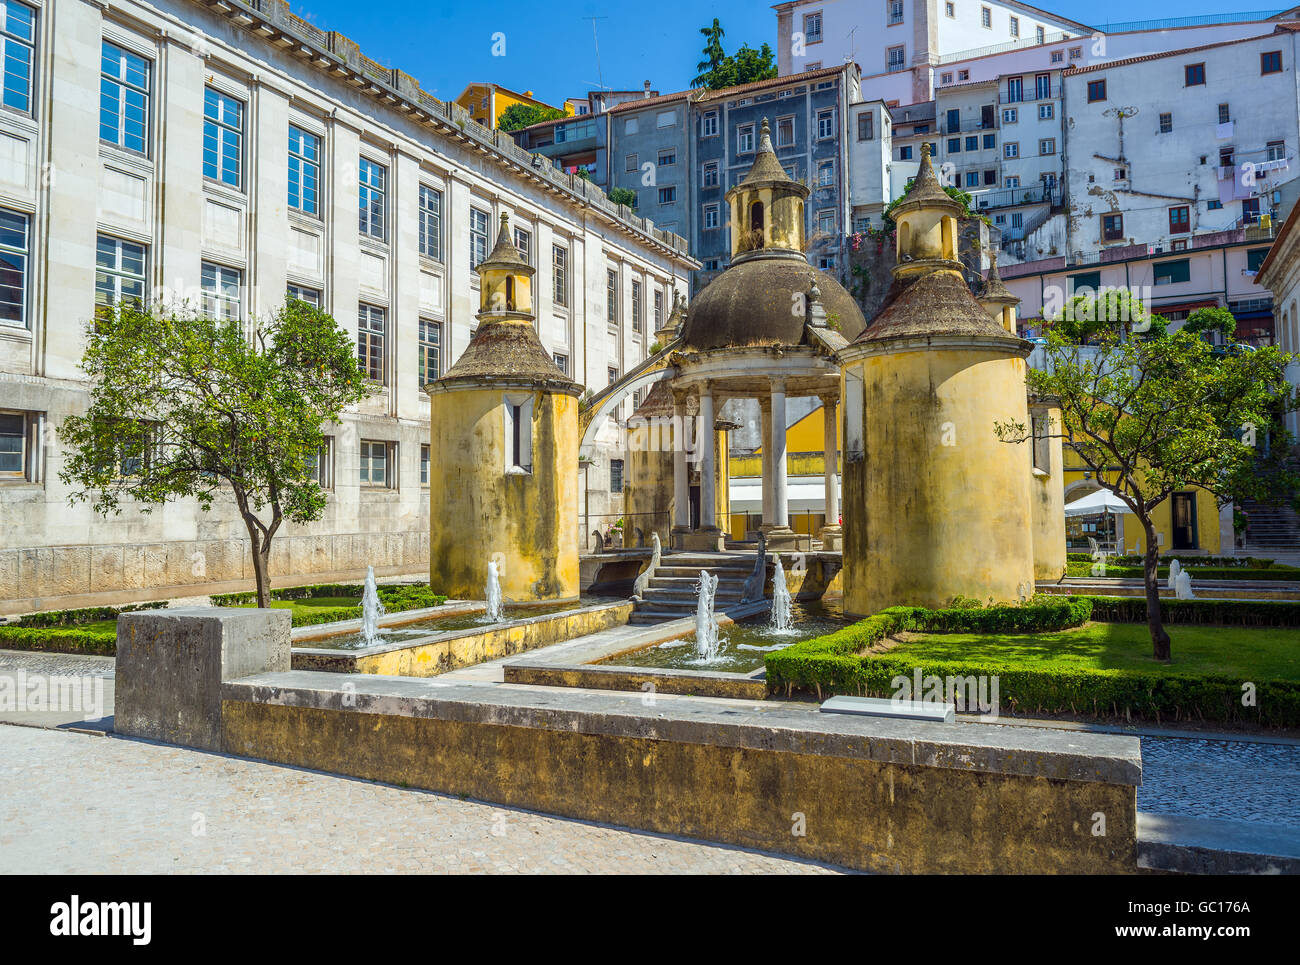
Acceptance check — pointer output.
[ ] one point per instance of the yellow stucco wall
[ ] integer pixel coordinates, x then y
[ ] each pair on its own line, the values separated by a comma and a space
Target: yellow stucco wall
1047, 498
478, 511
925, 521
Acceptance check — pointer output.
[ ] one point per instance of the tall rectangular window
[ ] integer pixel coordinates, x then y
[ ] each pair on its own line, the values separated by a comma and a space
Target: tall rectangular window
812, 28
220, 289
430, 351
611, 297
1112, 227
1179, 219
659, 308
895, 58
711, 174
784, 131
17, 36
375, 457
825, 123
13, 268
895, 12
424, 465
119, 272
371, 181
636, 306
431, 222
371, 328
478, 236
560, 274
745, 139
14, 437
1042, 86
524, 243
223, 137
304, 171
709, 124
865, 120
123, 98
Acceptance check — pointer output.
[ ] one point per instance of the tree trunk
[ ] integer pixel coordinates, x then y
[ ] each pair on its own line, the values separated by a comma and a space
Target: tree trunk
261, 559
1151, 578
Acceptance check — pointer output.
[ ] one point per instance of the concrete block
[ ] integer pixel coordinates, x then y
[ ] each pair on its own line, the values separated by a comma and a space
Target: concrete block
171, 665
883, 707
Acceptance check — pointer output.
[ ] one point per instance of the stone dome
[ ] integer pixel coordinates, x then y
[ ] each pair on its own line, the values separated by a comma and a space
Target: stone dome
752, 303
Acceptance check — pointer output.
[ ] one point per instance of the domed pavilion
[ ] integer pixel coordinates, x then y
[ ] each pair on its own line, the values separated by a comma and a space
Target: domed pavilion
766, 329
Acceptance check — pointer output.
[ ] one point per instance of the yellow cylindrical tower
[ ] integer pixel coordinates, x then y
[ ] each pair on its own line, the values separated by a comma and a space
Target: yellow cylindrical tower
935, 504
1047, 487
503, 451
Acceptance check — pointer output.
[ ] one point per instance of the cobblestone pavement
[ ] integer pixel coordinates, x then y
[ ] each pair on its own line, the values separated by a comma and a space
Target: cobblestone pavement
1231, 780
63, 664
76, 803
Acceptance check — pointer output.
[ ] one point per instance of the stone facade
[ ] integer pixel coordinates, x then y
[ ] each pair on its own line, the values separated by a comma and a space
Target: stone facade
72, 199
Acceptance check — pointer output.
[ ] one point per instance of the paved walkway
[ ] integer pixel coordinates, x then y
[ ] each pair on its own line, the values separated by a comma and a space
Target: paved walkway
79, 804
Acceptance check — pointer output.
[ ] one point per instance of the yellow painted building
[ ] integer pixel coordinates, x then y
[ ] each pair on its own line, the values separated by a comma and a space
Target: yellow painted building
487, 102
1187, 521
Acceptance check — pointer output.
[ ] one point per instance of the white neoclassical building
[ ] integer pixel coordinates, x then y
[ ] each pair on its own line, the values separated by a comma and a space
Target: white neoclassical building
232, 153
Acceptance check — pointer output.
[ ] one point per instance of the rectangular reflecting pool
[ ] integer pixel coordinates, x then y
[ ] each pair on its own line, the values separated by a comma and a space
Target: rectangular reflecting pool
742, 646
431, 625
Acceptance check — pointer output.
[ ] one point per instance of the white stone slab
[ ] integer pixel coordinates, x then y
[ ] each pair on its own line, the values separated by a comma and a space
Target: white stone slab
880, 707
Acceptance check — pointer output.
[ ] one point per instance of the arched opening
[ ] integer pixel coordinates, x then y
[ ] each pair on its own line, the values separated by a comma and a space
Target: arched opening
904, 240
756, 224
510, 294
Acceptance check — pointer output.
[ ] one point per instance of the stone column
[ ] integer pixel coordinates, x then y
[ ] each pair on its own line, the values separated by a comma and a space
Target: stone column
681, 485
780, 534
832, 538
765, 410
705, 442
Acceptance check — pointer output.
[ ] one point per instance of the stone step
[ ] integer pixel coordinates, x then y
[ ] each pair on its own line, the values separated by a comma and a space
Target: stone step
684, 582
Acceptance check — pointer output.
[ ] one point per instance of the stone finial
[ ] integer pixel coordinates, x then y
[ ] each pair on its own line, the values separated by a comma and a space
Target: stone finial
765, 137
816, 311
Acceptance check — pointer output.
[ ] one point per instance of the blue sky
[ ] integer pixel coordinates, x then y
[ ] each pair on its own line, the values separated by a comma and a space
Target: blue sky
549, 48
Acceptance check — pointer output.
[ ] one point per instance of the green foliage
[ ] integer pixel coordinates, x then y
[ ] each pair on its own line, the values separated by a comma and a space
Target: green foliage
719, 70
582, 174
1212, 319
1223, 613
1162, 414
518, 116
59, 640
187, 406
834, 664
1073, 569
395, 598
623, 196
73, 618
957, 194
1085, 316
1129, 560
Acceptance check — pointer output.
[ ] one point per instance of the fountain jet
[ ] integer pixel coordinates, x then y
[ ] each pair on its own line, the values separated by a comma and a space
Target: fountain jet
706, 627
782, 606
495, 611
371, 611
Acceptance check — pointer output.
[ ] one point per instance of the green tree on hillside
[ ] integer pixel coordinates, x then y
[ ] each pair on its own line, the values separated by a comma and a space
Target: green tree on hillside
518, 116
719, 70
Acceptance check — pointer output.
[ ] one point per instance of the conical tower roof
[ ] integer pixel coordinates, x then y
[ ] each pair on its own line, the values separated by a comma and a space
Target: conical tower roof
767, 169
504, 254
993, 290
926, 191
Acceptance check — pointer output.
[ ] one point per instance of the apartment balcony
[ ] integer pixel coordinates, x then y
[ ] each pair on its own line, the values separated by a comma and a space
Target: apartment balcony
968, 126
1012, 197
1031, 95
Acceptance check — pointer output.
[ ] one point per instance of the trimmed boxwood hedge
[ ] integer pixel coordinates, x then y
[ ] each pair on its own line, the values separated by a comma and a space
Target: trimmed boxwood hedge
58, 640
1127, 559
833, 664
1227, 613
1282, 573
72, 618
395, 598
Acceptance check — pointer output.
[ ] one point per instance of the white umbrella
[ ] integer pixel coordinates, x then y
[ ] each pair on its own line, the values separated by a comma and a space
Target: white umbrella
1101, 502
1094, 504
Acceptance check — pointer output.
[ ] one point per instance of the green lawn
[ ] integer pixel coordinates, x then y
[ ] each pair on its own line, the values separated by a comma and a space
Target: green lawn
314, 603
1245, 653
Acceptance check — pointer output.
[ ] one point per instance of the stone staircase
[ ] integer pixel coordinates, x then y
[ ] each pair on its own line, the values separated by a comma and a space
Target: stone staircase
671, 593
1274, 532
